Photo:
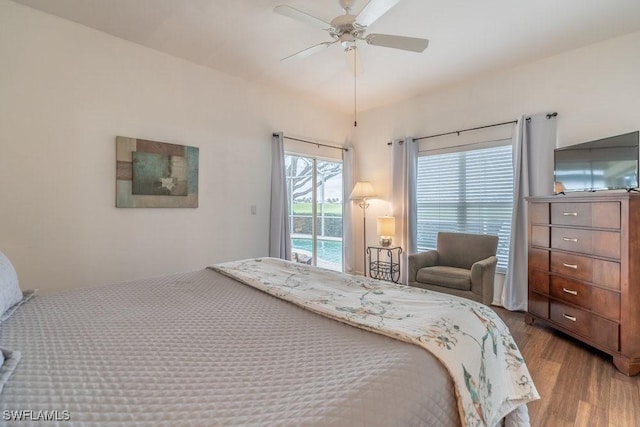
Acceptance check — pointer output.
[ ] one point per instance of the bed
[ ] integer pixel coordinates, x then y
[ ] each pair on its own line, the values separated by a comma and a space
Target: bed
228, 346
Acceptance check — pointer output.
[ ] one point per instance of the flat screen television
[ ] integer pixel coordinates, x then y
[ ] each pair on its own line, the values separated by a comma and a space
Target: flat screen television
605, 164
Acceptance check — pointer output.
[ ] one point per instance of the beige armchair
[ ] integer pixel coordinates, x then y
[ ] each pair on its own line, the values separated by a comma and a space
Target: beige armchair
462, 265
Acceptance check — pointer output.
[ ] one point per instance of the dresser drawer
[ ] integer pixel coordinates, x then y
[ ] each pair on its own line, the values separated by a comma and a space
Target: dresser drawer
570, 318
574, 266
605, 215
606, 273
597, 271
578, 214
605, 333
582, 214
538, 305
571, 291
539, 213
540, 236
538, 259
539, 281
571, 239
605, 303
607, 244
600, 331
592, 242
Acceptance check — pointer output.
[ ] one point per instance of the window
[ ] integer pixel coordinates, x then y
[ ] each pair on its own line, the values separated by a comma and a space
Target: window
468, 191
314, 188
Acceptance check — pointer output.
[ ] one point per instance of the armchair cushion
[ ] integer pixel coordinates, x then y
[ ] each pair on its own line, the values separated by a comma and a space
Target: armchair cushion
451, 277
421, 260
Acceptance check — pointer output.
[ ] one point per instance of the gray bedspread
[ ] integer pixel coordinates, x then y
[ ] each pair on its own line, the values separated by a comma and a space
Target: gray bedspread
202, 349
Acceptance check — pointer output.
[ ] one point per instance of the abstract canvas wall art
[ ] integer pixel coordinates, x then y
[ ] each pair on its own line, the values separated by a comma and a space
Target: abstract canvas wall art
152, 174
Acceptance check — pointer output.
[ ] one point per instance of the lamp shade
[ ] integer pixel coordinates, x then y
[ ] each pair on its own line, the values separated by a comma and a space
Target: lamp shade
386, 226
362, 190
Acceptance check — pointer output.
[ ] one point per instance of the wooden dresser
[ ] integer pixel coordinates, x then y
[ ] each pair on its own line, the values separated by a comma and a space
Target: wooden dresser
584, 270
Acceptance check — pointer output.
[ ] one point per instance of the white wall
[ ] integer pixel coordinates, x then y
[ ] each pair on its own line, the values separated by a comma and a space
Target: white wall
66, 91
595, 90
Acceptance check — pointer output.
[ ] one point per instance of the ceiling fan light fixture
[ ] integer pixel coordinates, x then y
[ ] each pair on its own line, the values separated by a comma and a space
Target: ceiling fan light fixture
348, 41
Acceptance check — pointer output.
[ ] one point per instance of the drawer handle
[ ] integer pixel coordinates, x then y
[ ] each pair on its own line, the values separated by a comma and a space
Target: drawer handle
566, 316
570, 213
569, 291
574, 266
570, 239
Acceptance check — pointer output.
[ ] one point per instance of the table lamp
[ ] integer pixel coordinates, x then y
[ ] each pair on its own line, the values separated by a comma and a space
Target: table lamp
386, 229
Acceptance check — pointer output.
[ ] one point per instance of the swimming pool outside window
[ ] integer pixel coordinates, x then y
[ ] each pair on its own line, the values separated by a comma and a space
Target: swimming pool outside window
314, 188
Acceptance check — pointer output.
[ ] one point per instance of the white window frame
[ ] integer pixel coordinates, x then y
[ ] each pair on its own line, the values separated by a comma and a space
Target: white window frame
502, 224
314, 197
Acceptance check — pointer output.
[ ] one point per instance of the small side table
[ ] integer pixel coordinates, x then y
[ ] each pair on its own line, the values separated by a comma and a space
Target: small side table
387, 268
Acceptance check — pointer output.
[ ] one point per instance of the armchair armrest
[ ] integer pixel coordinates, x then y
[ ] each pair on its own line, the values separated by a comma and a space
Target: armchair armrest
482, 277
421, 260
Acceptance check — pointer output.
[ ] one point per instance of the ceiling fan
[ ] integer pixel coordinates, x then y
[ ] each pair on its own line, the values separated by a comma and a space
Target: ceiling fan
347, 29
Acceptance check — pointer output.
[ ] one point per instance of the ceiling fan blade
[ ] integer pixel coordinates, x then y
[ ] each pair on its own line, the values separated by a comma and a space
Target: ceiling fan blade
353, 62
374, 10
398, 42
309, 51
301, 16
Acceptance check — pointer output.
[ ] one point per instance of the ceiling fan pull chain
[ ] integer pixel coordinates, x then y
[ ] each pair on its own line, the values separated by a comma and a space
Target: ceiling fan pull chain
355, 77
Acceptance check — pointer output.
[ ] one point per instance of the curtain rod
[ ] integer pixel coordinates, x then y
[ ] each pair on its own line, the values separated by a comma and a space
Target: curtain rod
458, 132
314, 143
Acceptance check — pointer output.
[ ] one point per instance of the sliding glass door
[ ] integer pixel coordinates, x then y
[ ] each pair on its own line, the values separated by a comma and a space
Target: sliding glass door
314, 188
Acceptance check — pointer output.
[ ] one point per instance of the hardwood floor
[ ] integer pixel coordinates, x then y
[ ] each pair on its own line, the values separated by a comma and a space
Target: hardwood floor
578, 385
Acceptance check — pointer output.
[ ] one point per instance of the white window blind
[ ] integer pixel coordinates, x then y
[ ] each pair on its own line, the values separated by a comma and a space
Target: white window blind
467, 191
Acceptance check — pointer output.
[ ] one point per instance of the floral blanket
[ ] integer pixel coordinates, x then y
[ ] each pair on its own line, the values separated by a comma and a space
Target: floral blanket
471, 341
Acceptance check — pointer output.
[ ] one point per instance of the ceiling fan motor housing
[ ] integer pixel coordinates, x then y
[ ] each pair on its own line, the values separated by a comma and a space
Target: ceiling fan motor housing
343, 23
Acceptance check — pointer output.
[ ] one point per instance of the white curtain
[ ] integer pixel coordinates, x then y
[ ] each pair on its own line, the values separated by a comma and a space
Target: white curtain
403, 198
279, 235
533, 143
348, 171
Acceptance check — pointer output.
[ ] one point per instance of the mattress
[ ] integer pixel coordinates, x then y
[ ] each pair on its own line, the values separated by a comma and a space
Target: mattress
200, 348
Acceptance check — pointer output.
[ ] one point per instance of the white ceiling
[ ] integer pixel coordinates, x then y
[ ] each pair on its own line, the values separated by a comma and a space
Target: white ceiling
246, 39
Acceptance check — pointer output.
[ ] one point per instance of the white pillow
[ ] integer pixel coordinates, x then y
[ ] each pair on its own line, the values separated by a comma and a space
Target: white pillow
10, 293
